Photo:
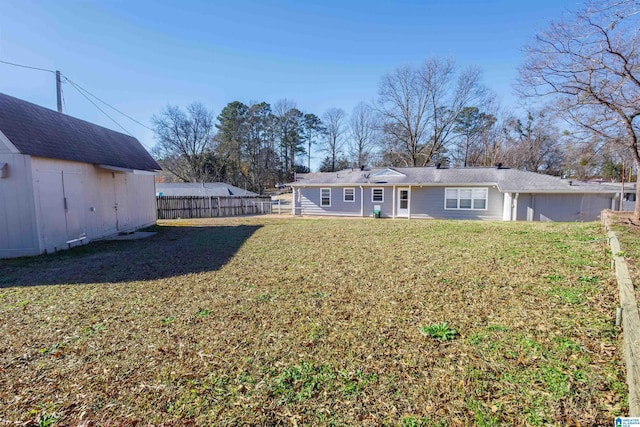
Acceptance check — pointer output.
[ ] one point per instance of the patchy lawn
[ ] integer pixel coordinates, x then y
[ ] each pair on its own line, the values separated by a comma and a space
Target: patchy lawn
316, 322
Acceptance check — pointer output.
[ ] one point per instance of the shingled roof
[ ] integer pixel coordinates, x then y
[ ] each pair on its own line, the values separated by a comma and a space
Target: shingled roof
38, 131
507, 180
207, 189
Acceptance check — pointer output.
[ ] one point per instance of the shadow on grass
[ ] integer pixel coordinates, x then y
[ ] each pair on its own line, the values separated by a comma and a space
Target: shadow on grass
173, 251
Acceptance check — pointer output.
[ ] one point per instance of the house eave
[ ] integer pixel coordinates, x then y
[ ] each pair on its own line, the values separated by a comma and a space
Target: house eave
128, 170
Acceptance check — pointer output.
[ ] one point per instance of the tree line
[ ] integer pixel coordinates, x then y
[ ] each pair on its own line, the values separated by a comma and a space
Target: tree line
585, 67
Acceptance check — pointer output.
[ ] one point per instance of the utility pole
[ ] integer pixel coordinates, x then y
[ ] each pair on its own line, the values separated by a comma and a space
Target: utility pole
59, 91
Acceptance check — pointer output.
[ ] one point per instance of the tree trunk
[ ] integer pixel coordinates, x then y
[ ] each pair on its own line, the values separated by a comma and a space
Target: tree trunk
636, 211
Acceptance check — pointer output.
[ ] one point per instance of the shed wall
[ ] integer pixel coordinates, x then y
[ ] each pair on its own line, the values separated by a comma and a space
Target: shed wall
18, 230
68, 199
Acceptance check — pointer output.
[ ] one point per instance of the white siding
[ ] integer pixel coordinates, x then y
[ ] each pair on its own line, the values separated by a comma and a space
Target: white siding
18, 235
47, 202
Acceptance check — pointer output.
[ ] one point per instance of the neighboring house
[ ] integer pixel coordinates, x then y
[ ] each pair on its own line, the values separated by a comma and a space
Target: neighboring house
495, 193
207, 189
64, 181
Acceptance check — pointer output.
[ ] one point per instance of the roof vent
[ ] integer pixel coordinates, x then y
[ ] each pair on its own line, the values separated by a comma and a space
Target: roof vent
570, 183
498, 165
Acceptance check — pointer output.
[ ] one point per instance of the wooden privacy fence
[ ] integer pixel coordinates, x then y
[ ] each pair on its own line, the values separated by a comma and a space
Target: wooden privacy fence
173, 207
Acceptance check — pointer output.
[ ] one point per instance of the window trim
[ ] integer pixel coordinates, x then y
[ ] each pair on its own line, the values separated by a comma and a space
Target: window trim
373, 190
322, 198
353, 194
473, 199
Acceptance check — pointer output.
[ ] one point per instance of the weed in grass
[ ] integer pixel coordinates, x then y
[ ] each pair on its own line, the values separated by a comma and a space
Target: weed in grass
554, 380
568, 295
477, 338
266, 297
482, 415
168, 320
203, 312
319, 295
47, 420
354, 382
567, 344
316, 332
591, 280
440, 331
301, 382
554, 278
54, 350
93, 329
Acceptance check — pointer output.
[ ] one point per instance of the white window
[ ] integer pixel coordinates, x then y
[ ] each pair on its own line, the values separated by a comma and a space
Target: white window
349, 194
377, 195
325, 197
466, 198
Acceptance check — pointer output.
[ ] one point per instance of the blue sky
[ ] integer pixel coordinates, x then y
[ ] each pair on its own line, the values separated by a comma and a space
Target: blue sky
141, 55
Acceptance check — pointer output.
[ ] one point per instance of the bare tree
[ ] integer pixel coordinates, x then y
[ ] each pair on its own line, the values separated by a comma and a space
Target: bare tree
184, 141
403, 103
334, 120
533, 144
590, 63
364, 131
422, 104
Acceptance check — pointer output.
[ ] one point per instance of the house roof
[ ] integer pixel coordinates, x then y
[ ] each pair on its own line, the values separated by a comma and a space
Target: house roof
38, 131
507, 180
208, 189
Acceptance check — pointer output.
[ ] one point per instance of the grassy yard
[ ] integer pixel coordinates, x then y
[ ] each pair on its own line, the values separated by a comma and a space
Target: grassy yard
316, 322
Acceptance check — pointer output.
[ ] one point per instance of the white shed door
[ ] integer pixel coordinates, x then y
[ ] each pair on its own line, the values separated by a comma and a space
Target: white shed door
115, 210
72, 189
53, 227
60, 198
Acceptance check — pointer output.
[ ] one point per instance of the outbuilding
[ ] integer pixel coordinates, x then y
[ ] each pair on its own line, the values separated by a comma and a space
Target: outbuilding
65, 181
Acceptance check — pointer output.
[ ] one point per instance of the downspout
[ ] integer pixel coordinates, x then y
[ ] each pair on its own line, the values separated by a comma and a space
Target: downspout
361, 201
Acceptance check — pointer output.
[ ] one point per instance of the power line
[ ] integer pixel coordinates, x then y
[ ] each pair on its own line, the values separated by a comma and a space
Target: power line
26, 66
105, 103
84, 93
101, 110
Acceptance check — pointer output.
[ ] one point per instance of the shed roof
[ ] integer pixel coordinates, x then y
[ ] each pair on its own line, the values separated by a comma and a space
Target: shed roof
507, 180
209, 189
39, 131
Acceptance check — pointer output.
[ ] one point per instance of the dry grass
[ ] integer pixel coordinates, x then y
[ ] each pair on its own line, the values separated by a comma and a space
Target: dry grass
316, 322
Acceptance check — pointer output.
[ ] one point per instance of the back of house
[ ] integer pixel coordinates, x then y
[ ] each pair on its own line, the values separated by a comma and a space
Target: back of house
478, 193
